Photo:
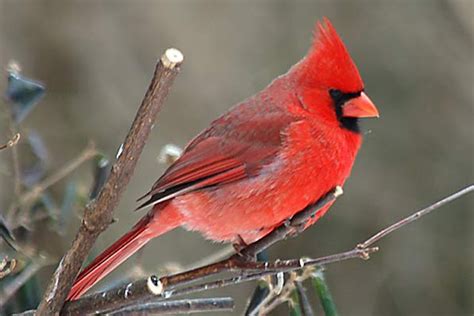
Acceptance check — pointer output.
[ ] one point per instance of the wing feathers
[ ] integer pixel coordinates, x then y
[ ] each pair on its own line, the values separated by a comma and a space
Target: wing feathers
219, 178
225, 152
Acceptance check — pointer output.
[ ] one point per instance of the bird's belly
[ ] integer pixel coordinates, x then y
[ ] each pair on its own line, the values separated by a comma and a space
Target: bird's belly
249, 209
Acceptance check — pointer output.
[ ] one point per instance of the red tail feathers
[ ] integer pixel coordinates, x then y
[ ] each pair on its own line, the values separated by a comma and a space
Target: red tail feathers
145, 230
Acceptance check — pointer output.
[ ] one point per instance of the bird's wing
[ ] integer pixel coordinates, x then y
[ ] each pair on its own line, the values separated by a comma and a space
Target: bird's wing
224, 153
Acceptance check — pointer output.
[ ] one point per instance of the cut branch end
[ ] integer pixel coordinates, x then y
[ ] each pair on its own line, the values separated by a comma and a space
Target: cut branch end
155, 286
172, 58
338, 191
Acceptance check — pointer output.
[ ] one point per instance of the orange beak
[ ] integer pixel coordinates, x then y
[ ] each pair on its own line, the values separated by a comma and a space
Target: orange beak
360, 107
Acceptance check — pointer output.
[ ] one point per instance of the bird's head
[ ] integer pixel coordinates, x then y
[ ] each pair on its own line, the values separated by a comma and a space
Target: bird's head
329, 82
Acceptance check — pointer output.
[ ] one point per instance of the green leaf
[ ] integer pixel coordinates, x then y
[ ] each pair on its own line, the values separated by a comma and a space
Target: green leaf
322, 289
294, 304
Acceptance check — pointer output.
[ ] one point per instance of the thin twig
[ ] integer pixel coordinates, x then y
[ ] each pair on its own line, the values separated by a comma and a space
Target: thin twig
12, 142
294, 290
270, 268
262, 290
15, 157
274, 290
415, 216
7, 266
294, 307
29, 197
283, 296
186, 306
15, 138
11, 288
253, 310
13, 67
306, 308
166, 286
99, 214
88, 153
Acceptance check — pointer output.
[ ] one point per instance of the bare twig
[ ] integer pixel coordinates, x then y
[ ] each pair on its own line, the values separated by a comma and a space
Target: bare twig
283, 296
29, 197
274, 290
99, 214
15, 157
253, 271
12, 142
187, 306
13, 67
88, 153
262, 290
294, 293
166, 286
7, 266
415, 216
304, 300
11, 288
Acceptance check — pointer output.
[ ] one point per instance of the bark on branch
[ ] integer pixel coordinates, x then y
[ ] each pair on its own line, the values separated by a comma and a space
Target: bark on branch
186, 306
98, 214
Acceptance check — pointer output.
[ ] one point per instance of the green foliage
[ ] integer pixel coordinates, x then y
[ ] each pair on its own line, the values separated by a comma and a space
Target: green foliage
322, 289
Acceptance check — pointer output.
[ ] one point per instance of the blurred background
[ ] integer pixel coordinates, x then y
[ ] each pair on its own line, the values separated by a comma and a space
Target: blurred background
416, 57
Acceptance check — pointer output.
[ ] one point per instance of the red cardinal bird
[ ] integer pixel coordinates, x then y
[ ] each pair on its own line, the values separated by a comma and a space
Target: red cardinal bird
260, 163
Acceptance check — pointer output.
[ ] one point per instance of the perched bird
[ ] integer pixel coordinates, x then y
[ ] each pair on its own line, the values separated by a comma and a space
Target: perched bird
261, 162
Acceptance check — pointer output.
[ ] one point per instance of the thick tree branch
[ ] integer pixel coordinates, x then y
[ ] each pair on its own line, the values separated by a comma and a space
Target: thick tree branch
155, 288
98, 214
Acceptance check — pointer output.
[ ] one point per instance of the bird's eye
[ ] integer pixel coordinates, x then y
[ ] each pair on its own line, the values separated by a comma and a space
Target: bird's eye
335, 94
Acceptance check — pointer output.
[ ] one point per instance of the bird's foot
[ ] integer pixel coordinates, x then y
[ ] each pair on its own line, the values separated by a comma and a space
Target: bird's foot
239, 245
295, 229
